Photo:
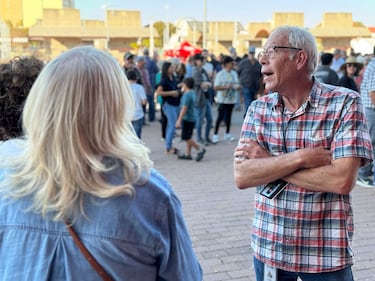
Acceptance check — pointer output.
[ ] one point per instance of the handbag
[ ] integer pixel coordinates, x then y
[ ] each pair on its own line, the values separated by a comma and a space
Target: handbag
98, 268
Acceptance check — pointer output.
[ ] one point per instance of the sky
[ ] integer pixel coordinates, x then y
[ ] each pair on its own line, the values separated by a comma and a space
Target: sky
244, 11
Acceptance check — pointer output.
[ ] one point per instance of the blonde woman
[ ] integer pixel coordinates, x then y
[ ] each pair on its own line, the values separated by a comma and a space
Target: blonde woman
81, 163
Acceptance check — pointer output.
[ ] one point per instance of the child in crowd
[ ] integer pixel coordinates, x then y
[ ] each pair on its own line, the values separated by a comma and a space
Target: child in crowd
186, 120
140, 100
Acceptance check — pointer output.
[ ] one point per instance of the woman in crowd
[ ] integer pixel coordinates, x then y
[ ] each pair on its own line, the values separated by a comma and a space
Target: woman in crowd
168, 90
350, 70
226, 86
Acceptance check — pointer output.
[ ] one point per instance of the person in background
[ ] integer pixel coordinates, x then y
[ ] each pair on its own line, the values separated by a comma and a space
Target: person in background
139, 100
163, 119
79, 164
129, 64
337, 61
175, 66
233, 54
180, 72
153, 69
350, 70
144, 78
309, 138
168, 90
211, 71
250, 77
324, 73
366, 174
207, 65
189, 66
16, 79
364, 60
186, 120
226, 86
203, 107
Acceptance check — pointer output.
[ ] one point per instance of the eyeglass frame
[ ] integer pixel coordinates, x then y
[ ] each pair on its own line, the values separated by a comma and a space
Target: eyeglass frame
267, 52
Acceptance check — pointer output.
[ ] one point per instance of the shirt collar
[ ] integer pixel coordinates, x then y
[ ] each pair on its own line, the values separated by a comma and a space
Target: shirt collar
312, 100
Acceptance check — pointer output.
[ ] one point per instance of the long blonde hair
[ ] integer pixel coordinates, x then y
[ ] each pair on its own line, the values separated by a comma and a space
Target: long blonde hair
78, 112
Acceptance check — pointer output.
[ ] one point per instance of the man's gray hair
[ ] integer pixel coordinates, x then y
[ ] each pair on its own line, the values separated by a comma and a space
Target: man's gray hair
301, 38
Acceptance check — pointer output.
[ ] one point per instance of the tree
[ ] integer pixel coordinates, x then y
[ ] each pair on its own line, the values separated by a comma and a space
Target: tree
160, 26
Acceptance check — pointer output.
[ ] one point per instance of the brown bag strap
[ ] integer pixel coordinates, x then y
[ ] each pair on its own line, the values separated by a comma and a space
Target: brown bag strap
98, 268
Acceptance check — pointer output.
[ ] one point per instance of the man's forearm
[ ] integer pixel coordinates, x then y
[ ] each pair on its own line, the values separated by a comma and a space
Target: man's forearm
338, 177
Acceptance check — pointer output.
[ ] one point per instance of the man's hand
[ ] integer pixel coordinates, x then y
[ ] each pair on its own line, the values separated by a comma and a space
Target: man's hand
249, 149
314, 157
372, 97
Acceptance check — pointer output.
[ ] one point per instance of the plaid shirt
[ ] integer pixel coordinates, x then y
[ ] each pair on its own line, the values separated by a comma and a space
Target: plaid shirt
302, 230
368, 84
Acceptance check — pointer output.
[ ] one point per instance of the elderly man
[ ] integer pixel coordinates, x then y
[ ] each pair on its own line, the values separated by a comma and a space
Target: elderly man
301, 146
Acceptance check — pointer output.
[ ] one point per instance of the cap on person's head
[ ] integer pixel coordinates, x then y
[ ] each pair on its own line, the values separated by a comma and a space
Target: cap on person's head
326, 58
252, 50
139, 58
128, 56
146, 52
198, 57
227, 59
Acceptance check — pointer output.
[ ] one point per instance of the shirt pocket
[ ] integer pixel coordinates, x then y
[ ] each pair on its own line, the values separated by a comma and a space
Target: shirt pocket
318, 141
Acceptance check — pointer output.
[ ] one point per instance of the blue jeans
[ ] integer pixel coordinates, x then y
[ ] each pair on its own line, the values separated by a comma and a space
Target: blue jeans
369, 170
151, 107
248, 96
342, 275
137, 125
201, 113
171, 112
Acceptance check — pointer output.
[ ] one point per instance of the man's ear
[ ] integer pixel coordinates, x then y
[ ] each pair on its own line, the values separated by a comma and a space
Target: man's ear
301, 59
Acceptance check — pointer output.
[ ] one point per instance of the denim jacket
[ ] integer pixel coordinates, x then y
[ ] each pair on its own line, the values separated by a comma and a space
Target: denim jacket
141, 238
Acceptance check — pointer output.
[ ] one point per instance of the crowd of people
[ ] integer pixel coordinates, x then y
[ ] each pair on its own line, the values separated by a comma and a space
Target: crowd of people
222, 84
72, 155
355, 72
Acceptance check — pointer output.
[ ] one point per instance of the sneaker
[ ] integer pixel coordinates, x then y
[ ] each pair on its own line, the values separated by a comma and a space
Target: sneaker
215, 138
185, 157
364, 182
228, 137
200, 155
208, 141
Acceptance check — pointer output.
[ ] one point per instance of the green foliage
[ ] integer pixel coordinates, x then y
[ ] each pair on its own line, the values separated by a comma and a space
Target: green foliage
160, 26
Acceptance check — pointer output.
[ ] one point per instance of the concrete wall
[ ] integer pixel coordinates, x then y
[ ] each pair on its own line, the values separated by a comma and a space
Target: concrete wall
11, 11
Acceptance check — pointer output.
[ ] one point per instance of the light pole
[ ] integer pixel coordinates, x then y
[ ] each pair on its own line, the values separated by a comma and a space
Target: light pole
204, 23
105, 7
152, 44
166, 35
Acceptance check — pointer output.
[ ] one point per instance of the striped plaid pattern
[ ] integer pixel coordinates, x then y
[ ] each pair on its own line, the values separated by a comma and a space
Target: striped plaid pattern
302, 230
368, 84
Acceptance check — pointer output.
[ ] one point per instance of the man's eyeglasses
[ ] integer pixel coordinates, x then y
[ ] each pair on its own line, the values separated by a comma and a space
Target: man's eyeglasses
271, 51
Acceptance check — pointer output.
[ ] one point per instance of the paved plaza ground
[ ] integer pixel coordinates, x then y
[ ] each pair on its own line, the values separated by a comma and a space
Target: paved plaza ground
219, 215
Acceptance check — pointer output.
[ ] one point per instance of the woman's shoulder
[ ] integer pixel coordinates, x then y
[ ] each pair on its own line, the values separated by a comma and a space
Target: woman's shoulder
10, 147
